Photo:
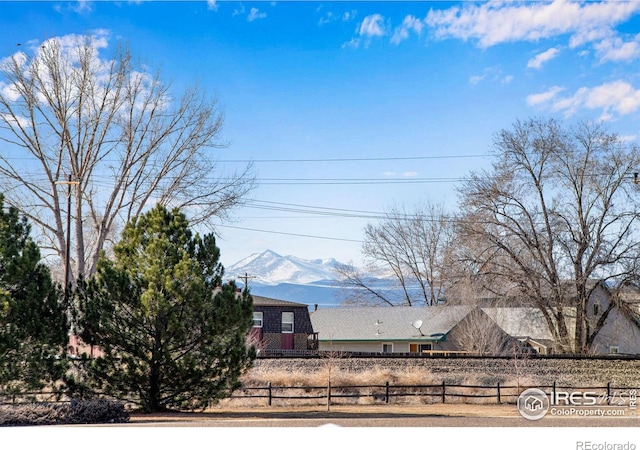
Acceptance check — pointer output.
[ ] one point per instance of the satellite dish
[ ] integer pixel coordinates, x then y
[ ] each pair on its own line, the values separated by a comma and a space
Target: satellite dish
417, 324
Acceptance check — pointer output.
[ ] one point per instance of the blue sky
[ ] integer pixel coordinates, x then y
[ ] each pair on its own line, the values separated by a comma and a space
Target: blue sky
349, 108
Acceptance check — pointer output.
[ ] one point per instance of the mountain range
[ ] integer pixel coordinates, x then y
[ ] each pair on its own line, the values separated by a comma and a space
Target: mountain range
312, 282
270, 268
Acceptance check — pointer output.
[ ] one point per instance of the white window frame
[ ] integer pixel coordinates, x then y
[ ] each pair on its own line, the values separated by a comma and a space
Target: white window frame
614, 349
258, 316
389, 344
286, 323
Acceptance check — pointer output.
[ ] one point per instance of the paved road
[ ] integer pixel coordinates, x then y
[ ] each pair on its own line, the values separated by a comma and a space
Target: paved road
362, 428
424, 421
463, 416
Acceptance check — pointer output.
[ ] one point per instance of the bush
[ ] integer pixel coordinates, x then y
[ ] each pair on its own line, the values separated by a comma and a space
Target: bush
76, 412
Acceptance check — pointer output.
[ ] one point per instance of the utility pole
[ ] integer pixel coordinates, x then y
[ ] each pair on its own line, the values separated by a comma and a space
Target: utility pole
67, 252
246, 279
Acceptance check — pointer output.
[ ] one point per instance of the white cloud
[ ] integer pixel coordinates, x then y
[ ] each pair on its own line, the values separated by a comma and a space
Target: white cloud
372, 26
475, 79
331, 17
494, 74
542, 58
212, 5
615, 49
255, 14
628, 137
18, 121
349, 15
544, 97
617, 98
81, 6
409, 24
67, 46
498, 22
9, 92
328, 18
78, 6
353, 43
238, 11
407, 174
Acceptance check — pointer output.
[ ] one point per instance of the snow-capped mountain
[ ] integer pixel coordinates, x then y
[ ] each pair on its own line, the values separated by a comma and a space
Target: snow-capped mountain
271, 268
314, 282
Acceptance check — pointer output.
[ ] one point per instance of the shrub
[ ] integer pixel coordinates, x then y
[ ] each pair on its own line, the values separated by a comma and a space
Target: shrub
91, 411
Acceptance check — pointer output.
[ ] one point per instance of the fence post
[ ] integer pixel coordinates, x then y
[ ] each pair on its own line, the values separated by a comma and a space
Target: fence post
328, 395
499, 399
554, 392
386, 392
608, 392
270, 393
443, 392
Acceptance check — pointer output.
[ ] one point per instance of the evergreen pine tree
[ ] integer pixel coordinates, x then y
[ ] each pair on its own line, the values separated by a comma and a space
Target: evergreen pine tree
172, 336
33, 314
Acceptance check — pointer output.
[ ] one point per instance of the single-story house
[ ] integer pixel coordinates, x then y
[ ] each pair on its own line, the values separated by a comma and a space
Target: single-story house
281, 325
471, 329
400, 329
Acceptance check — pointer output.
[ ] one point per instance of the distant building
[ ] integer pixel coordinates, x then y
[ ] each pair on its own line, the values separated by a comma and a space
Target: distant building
281, 326
400, 329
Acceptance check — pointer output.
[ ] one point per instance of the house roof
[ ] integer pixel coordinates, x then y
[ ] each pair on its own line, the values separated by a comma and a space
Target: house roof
266, 301
368, 323
527, 322
386, 323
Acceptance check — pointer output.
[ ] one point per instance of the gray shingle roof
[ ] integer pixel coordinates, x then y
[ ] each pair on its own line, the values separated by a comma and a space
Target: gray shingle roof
526, 321
385, 323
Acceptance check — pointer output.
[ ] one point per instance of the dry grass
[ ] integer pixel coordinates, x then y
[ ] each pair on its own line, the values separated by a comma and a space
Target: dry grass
371, 375
358, 385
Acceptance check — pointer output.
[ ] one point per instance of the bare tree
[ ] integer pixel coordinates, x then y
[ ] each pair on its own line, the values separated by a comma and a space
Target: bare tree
109, 138
410, 246
476, 333
558, 209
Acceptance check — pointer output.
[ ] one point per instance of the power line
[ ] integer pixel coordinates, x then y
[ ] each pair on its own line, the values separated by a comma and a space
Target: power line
292, 234
314, 160
389, 158
103, 180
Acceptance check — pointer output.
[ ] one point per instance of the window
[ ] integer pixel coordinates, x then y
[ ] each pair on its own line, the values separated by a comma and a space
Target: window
387, 348
614, 349
287, 322
257, 319
596, 309
425, 348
